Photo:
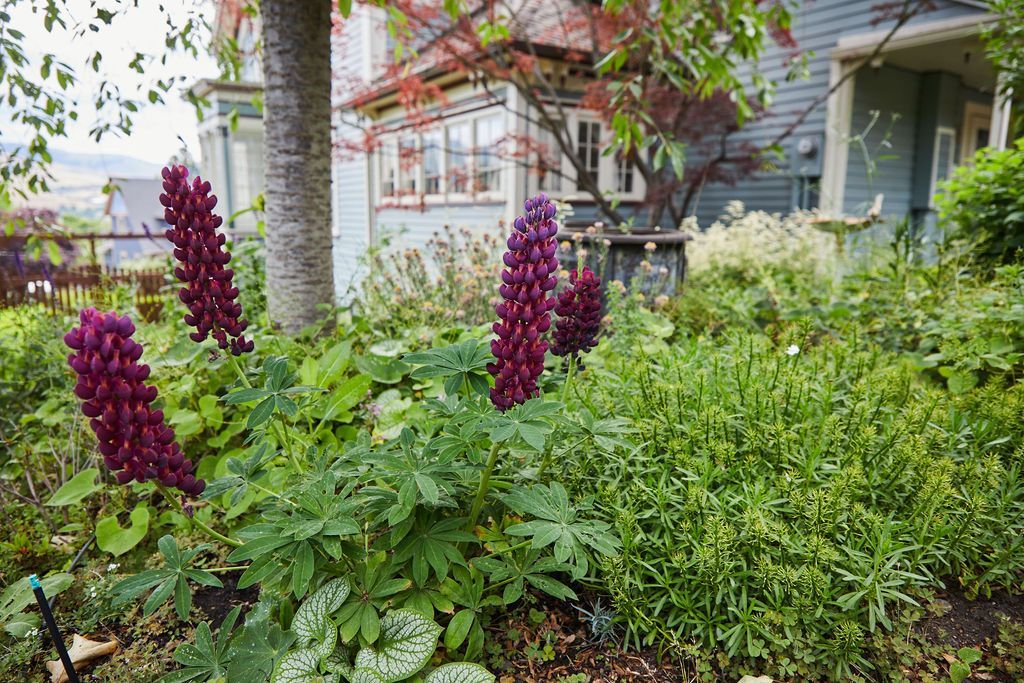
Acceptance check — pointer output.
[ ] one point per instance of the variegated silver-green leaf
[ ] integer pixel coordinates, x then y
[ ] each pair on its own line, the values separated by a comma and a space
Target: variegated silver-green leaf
301, 666
337, 662
363, 675
313, 616
326, 640
407, 639
460, 672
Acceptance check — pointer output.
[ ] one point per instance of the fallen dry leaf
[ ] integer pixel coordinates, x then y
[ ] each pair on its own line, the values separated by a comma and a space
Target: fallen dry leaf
82, 651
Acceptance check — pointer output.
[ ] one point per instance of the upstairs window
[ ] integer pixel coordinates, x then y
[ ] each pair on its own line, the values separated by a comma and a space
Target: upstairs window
624, 174
408, 166
388, 170
588, 148
458, 135
488, 166
432, 162
549, 162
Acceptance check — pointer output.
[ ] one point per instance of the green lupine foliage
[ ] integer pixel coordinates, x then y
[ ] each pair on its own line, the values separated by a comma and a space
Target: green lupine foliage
782, 504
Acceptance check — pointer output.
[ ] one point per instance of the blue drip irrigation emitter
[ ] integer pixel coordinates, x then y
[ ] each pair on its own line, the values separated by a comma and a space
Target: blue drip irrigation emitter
58, 642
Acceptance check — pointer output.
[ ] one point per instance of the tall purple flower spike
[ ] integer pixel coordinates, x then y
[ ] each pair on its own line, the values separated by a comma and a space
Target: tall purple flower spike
579, 315
133, 439
525, 314
208, 293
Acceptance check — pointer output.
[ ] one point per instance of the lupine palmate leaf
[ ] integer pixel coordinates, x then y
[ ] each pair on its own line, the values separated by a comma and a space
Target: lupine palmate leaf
460, 672
407, 640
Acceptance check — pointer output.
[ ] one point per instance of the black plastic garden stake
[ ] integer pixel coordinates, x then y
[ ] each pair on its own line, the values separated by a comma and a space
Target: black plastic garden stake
58, 642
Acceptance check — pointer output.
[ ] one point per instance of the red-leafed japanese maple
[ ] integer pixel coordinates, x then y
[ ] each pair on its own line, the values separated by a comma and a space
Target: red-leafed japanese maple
666, 78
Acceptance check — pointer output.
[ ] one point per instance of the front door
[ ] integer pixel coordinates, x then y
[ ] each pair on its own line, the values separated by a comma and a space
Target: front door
975, 131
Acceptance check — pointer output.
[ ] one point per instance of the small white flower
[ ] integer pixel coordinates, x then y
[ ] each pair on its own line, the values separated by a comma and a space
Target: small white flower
112, 566
792, 350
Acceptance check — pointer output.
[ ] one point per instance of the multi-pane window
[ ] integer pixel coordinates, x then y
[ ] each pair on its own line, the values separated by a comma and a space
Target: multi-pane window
549, 162
488, 166
408, 169
432, 162
588, 148
624, 174
458, 135
388, 170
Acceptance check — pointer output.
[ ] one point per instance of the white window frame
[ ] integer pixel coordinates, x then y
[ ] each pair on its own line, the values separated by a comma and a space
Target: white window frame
388, 155
449, 195
547, 139
413, 172
607, 171
973, 113
591, 124
940, 133
439, 135
497, 162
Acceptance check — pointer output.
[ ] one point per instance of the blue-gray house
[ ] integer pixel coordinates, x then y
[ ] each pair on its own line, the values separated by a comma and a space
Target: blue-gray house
897, 124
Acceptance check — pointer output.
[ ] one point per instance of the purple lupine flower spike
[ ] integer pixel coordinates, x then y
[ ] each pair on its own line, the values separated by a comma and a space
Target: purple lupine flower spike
208, 293
579, 315
525, 312
133, 439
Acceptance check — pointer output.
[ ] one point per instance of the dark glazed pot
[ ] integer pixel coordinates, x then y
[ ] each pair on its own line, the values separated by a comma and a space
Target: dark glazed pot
627, 251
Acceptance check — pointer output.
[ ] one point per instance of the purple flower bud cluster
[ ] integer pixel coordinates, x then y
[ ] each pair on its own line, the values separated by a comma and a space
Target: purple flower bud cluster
579, 314
133, 439
525, 312
208, 293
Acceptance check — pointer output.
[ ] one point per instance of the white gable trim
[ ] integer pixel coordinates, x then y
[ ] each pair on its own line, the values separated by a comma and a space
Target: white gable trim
913, 35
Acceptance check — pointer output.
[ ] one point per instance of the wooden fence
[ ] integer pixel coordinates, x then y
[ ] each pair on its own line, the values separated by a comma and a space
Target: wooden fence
69, 290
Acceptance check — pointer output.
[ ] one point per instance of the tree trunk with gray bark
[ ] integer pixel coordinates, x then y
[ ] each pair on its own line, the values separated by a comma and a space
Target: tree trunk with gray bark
297, 134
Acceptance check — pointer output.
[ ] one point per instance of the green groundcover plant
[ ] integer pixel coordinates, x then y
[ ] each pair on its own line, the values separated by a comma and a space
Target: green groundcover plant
794, 494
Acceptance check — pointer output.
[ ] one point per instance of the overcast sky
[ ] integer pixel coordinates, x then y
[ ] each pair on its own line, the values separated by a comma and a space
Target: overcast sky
138, 29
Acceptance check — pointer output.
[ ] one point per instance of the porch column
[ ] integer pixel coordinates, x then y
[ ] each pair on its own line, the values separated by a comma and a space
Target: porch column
999, 130
837, 134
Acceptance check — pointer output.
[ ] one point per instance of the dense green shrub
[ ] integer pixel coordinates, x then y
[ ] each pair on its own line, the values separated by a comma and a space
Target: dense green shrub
785, 501
984, 202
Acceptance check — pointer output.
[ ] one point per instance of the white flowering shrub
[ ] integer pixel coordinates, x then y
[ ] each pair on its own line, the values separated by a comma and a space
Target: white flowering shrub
750, 245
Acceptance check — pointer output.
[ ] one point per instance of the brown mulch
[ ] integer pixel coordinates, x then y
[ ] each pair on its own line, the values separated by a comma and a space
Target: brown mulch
969, 623
215, 603
573, 651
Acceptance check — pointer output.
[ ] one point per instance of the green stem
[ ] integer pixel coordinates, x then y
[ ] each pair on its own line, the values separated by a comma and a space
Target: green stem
544, 462
568, 378
282, 433
236, 568
481, 492
548, 459
195, 521
272, 493
509, 549
233, 362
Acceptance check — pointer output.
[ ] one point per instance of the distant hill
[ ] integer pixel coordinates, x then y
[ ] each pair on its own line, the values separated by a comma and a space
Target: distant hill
109, 164
79, 177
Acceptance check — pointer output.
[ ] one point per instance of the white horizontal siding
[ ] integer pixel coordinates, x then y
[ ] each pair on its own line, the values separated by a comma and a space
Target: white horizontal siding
350, 173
